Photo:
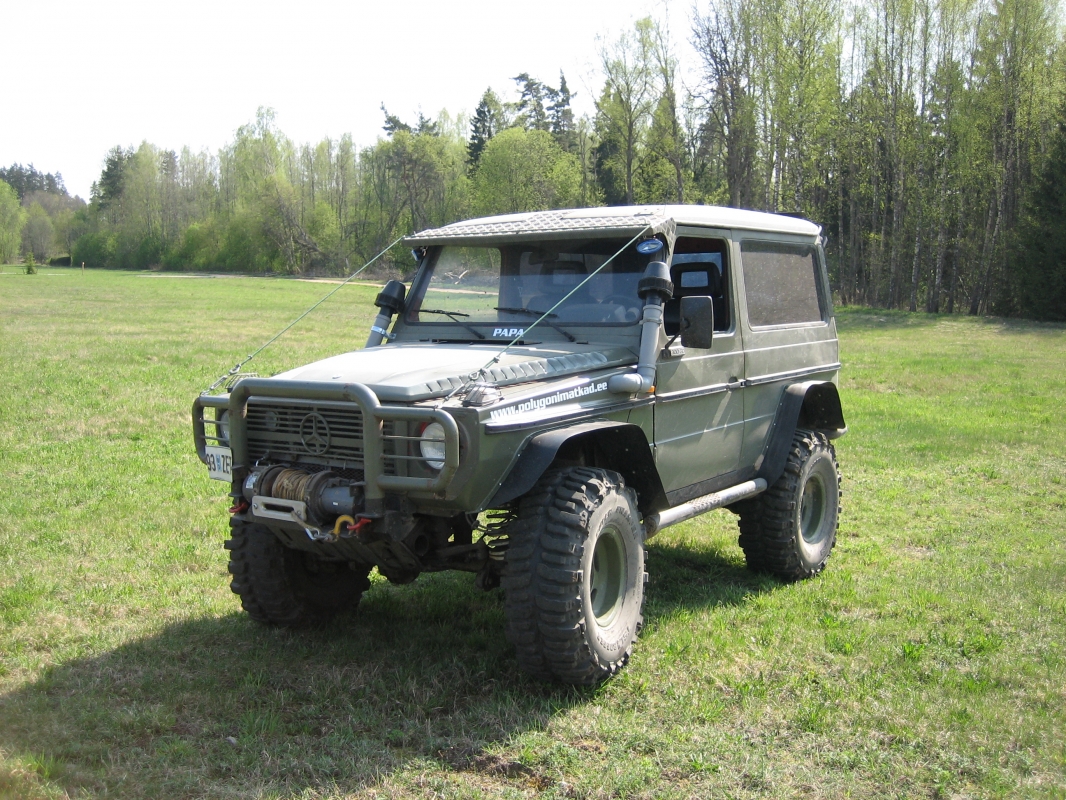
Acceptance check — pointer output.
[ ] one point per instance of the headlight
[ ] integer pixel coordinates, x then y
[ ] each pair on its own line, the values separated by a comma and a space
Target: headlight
222, 429
432, 445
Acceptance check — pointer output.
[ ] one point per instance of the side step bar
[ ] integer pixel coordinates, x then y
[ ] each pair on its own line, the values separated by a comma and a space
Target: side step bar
653, 523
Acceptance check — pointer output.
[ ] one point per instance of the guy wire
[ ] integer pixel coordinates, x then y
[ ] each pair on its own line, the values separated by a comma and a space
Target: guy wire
240, 364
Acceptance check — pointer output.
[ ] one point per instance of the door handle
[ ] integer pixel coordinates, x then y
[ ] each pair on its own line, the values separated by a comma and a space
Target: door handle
735, 383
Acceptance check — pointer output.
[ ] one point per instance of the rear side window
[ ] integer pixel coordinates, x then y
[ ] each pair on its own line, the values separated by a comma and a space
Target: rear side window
781, 283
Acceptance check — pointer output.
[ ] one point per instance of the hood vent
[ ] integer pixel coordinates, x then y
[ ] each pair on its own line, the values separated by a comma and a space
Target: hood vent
503, 374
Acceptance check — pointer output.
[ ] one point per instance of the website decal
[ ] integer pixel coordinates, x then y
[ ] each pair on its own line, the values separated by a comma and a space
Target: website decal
539, 403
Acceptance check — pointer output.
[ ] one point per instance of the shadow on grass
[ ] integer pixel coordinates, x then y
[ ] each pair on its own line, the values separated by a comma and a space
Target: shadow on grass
684, 577
1026, 326
867, 319
225, 706
854, 318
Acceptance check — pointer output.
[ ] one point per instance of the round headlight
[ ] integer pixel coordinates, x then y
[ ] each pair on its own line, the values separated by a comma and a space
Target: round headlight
223, 427
432, 445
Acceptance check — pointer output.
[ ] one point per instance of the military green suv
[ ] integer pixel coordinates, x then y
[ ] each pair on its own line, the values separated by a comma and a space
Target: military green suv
550, 391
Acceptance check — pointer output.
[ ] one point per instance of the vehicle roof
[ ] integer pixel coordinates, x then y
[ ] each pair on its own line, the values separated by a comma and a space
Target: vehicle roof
611, 220
742, 219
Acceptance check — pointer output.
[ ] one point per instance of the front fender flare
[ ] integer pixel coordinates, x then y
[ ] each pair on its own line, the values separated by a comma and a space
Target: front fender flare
623, 444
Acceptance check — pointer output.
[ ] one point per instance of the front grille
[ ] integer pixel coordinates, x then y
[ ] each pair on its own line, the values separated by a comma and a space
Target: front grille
310, 432
349, 474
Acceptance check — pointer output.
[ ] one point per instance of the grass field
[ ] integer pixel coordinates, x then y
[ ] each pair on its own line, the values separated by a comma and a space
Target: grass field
929, 660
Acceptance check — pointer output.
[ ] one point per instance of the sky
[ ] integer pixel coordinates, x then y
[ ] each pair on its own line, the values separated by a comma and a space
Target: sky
82, 77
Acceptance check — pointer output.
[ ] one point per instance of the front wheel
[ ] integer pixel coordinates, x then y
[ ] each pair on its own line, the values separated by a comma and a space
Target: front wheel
574, 576
289, 588
790, 529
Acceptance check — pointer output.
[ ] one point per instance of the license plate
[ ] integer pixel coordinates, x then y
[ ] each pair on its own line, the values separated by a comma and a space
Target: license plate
220, 463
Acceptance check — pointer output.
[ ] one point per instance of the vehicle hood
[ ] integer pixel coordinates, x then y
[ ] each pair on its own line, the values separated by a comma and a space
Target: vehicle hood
410, 372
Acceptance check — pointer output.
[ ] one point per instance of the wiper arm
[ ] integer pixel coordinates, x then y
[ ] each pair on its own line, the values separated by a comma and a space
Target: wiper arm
531, 311
454, 317
539, 314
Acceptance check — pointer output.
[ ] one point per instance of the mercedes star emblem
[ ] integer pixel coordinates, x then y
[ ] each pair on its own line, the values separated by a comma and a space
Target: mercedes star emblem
314, 433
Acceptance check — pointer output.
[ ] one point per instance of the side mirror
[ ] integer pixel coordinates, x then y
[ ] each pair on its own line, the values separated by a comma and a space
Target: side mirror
697, 322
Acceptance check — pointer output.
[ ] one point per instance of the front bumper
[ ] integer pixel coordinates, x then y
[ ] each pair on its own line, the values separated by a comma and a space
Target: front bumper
374, 437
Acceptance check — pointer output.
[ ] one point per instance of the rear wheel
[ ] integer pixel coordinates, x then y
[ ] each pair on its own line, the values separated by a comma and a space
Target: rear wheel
790, 529
574, 576
290, 588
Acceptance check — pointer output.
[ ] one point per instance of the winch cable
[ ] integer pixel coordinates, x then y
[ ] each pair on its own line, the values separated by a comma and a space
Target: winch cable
291, 484
240, 364
474, 376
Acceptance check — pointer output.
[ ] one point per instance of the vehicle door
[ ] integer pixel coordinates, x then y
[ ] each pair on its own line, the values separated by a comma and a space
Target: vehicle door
699, 416
787, 323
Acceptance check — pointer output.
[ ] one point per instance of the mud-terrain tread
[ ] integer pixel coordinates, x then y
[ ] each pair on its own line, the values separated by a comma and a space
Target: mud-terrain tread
542, 577
265, 576
767, 522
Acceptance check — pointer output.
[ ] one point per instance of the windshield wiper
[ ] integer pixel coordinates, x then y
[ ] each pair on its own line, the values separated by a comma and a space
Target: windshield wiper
453, 316
534, 313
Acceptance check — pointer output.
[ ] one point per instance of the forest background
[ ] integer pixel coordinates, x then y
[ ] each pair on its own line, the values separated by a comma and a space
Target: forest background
928, 137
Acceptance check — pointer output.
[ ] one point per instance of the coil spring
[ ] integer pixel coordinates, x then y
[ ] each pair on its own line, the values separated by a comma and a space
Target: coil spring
494, 533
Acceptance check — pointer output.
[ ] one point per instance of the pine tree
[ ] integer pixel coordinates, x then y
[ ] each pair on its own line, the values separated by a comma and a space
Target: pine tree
25, 180
109, 188
561, 115
424, 126
531, 113
490, 118
393, 123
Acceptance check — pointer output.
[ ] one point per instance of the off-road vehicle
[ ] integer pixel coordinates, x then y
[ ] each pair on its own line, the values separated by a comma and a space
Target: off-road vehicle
551, 390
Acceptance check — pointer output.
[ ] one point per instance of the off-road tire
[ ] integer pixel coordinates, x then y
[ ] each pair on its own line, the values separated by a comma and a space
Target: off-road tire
289, 588
790, 529
573, 577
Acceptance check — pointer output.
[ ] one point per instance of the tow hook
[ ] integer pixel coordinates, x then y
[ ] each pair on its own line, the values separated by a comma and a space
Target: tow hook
239, 508
353, 526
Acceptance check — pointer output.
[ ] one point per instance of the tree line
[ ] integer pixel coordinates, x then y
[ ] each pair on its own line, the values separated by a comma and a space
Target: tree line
926, 136
37, 215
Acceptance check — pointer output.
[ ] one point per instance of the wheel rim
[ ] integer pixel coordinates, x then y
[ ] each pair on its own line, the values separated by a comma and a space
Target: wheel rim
608, 579
812, 511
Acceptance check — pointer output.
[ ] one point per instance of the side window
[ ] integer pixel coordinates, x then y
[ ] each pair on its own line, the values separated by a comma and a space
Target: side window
699, 267
781, 283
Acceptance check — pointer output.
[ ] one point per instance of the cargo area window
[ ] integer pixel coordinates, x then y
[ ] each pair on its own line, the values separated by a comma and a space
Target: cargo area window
781, 282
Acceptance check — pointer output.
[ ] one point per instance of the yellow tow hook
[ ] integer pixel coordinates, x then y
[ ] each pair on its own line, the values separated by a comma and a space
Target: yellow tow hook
337, 527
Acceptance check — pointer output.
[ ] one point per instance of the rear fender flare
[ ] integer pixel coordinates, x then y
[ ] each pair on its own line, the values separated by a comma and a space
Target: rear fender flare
625, 449
814, 405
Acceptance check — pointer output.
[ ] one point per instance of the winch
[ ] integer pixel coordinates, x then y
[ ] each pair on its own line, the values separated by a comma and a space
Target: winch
311, 499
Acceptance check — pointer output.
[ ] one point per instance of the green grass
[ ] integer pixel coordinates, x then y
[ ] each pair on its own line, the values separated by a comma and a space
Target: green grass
929, 660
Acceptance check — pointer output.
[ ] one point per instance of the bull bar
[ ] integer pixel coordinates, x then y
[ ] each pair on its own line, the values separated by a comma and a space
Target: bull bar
373, 437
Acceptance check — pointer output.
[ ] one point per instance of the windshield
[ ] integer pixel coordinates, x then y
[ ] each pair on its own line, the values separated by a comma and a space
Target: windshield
510, 286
